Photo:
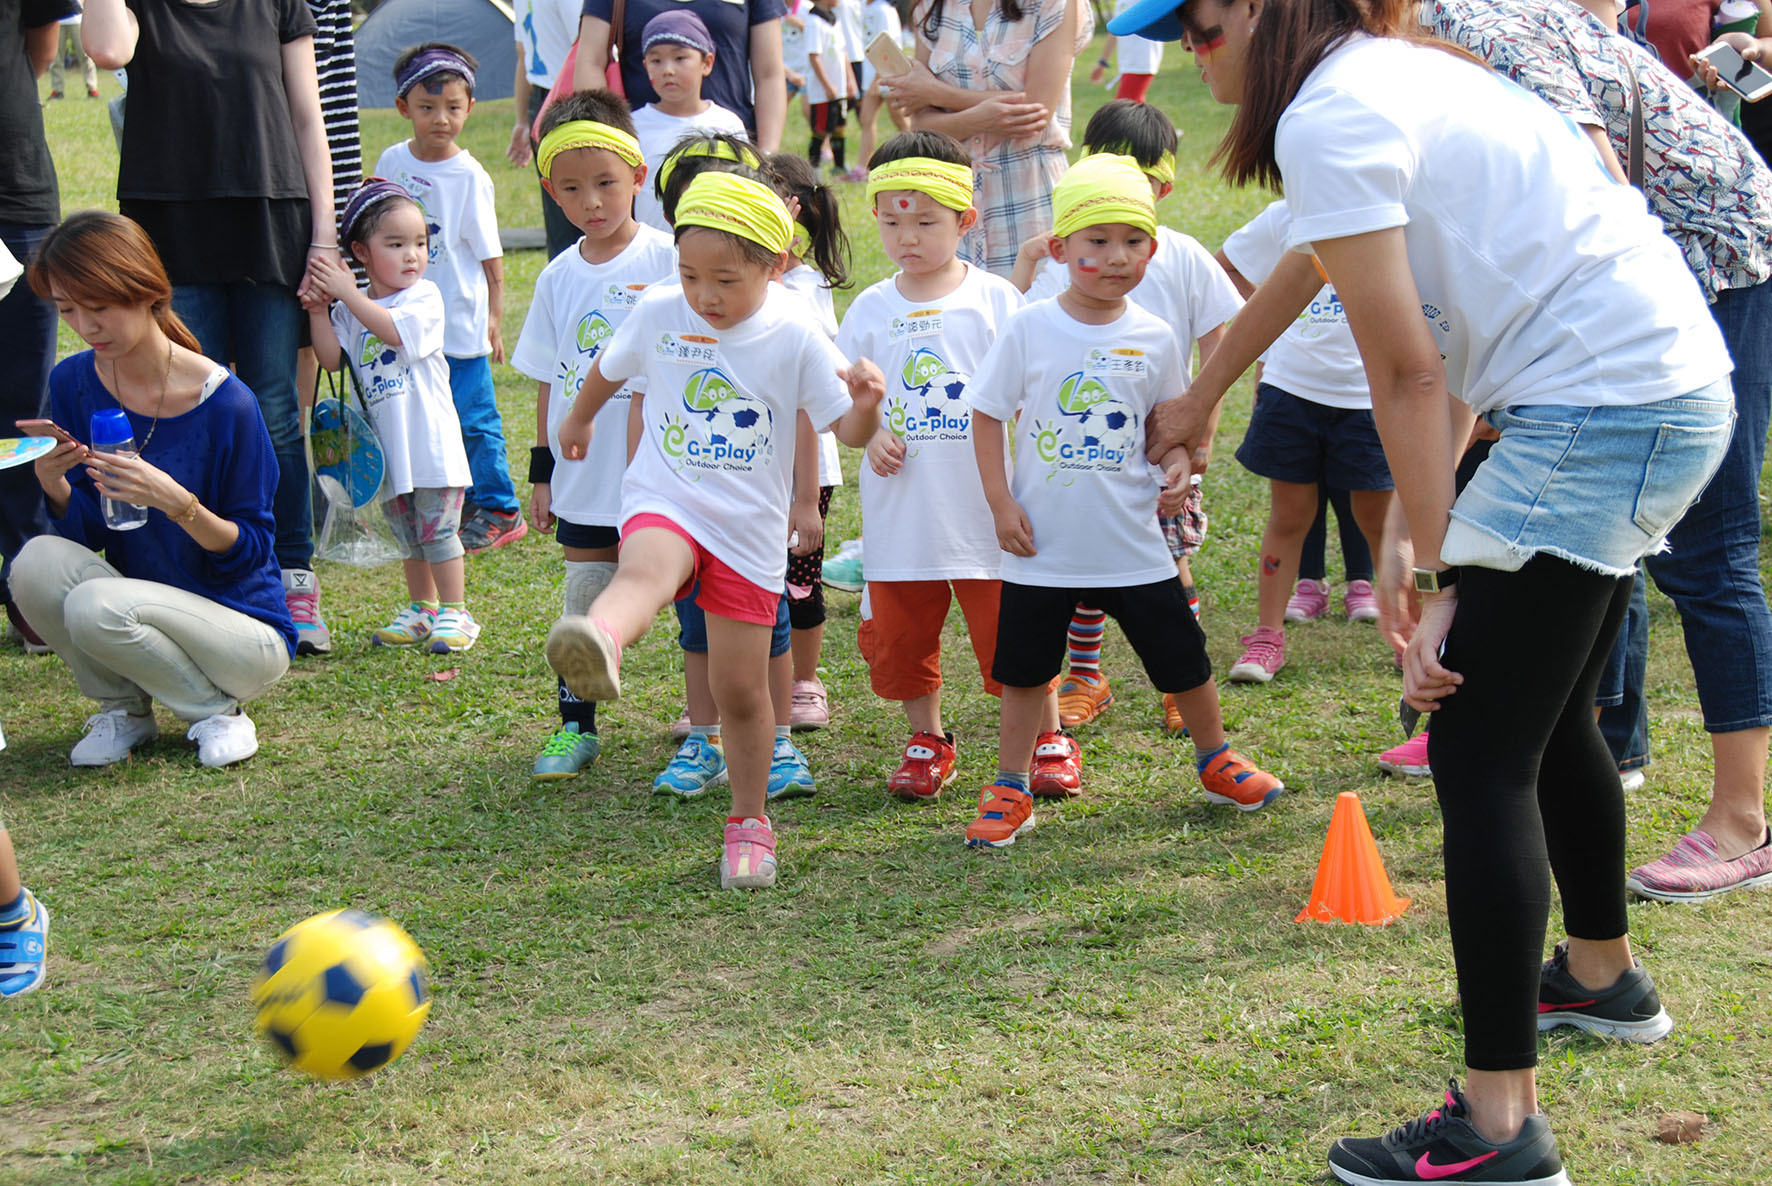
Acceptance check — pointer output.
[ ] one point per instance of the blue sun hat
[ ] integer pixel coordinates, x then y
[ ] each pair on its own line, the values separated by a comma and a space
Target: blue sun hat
1159, 20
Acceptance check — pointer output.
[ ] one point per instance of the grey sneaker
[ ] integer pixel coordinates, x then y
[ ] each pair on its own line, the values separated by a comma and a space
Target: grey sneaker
1630, 1010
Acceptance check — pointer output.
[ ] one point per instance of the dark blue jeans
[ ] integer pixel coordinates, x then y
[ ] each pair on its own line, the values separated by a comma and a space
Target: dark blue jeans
257, 329
1624, 713
1711, 569
27, 352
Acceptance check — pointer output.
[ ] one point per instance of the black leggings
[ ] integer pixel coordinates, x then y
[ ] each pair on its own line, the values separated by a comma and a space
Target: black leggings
807, 572
1527, 788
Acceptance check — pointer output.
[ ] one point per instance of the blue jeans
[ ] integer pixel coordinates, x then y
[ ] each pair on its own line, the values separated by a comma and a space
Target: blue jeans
257, 328
1712, 568
692, 626
1624, 713
27, 352
483, 435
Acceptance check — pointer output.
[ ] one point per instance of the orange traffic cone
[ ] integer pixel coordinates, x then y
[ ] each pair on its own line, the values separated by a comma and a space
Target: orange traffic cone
1351, 885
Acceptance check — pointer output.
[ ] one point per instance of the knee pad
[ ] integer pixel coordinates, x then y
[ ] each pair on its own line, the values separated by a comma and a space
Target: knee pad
584, 580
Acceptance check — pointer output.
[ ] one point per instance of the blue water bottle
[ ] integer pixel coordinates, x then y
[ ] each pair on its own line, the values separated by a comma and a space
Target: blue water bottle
111, 434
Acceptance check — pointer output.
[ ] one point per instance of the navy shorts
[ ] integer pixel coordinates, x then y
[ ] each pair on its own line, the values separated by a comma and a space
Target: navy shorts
692, 626
1033, 626
584, 535
1296, 440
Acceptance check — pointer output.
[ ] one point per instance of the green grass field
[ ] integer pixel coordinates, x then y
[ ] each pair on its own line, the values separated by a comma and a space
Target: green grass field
1123, 997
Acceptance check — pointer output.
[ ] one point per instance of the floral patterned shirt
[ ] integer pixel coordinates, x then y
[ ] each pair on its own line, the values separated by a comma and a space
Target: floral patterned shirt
1704, 181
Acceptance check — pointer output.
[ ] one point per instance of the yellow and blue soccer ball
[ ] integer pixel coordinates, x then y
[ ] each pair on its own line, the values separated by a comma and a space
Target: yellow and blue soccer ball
341, 994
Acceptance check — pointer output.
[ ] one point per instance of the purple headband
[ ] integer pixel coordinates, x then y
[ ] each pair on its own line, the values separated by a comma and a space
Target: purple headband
432, 61
372, 192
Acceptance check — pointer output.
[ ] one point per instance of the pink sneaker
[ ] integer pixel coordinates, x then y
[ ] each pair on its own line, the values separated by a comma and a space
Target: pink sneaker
1264, 653
1360, 602
811, 707
1408, 760
748, 859
1309, 601
1693, 872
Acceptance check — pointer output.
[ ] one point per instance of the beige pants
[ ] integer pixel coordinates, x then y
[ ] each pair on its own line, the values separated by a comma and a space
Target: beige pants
68, 46
132, 642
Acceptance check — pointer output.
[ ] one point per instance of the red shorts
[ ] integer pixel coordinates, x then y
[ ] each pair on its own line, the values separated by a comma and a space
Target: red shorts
1134, 87
723, 590
901, 642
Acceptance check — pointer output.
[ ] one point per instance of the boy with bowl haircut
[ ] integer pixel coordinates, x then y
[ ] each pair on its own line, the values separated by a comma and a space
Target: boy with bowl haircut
434, 84
1083, 371
679, 54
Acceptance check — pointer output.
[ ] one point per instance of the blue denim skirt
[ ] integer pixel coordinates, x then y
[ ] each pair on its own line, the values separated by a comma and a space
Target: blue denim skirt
1599, 487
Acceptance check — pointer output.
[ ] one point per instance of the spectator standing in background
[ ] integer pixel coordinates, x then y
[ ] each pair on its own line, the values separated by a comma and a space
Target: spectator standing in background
68, 55
545, 32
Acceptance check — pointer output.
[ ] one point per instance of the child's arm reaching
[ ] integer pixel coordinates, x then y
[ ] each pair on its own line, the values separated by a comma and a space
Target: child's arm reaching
575, 430
867, 387
325, 339
541, 494
1034, 248
1015, 534
335, 280
805, 528
495, 304
1175, 482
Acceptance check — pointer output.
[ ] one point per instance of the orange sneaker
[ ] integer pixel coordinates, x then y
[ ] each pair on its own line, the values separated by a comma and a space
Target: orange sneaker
1058, 767
1172, 722
1233, 780
1082, 698
1003, 814
928, 766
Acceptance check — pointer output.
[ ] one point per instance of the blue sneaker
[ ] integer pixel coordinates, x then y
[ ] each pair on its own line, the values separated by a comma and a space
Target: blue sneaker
567, 752
23, 948
843, 570
789, 775
699, 764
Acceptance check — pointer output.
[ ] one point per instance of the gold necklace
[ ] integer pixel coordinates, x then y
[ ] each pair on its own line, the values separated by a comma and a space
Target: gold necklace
165, 379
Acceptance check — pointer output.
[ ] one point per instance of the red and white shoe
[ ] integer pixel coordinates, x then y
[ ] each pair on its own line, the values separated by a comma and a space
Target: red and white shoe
928, 767
1058, 767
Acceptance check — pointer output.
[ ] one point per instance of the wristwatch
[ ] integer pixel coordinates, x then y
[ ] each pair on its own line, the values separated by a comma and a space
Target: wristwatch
1432, 580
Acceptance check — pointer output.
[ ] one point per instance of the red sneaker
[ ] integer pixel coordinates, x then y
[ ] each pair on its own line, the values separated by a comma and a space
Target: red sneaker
1003, 814
1058, 767
928, 766
1232, 780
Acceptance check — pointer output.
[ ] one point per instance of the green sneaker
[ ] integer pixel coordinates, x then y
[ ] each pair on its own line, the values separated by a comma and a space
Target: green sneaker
843, 570
699, 764
567, 752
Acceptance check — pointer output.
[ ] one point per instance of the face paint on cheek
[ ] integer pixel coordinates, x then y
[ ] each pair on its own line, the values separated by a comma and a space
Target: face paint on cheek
1210, 40
1088, 264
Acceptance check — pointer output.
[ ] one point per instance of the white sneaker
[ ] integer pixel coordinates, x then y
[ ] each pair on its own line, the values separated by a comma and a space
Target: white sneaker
1632, 780
110, 736
224, 740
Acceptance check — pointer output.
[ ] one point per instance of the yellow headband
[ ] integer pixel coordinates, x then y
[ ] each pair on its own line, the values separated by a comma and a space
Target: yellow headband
584, 133
946, 182
802, 243
1163, 170
1102, 189
738, 206
720, 150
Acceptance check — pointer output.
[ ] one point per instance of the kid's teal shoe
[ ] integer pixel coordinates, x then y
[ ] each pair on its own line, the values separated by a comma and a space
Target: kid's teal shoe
566, 753
699, 764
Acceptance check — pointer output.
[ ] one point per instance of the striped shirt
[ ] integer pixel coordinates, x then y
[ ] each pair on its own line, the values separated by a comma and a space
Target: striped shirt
335, 63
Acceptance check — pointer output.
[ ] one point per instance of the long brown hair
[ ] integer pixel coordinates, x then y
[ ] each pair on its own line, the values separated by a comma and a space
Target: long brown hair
1290, 39
99, 258
930, 21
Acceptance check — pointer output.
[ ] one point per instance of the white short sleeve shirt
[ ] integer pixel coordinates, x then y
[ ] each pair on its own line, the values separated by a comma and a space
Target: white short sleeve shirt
456, 199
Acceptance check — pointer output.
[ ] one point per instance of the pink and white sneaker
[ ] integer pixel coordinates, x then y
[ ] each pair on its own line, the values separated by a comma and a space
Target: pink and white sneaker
1360, 602
748, 859
1693, 871
1264, 653
585, 653
811, 706
1309, 601
1408, 760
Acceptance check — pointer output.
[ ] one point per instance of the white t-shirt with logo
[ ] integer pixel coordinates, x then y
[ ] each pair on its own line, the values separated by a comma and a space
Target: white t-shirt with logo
716, 456
1315, 358
658, 133
929, 521
1080, 474
406, 390
576, 307
545, 30
1543, 279
824, 39
1183, 285
455, 197
808, 283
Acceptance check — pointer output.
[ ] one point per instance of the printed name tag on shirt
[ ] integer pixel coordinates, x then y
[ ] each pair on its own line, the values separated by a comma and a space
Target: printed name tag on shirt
695, 348
623, 296
1121, 360
922, 323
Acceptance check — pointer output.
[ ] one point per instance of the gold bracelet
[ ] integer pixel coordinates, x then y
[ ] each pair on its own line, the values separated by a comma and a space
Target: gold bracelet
188, 516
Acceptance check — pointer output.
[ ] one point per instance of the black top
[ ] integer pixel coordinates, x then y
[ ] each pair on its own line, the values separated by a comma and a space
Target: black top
207, 115
27, 175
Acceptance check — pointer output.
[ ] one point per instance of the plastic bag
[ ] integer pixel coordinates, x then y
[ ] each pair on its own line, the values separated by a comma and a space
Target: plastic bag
349, 475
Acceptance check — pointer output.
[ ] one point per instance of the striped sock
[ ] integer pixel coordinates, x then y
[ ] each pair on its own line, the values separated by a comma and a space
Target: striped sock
1193, 598
1086, 629
1012, 778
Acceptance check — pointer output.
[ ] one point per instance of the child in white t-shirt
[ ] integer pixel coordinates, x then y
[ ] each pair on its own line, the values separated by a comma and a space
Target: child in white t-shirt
827, 84
679, 53
728, 363
1312, 422
1080, 374
1183, 286
581, 297
435, 87
925, 524
392, 338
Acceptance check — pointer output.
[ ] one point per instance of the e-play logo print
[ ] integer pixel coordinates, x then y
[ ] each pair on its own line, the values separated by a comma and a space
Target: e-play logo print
719, 427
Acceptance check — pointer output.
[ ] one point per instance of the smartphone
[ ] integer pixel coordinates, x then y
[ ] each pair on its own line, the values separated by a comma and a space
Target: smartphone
46, 428
888, 60
1751, 82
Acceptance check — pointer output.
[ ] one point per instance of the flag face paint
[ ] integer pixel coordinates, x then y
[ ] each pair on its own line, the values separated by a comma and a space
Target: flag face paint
1210, 39
1088, 264
903, 203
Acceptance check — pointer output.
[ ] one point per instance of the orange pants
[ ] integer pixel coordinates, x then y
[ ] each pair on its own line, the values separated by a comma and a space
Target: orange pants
902, 641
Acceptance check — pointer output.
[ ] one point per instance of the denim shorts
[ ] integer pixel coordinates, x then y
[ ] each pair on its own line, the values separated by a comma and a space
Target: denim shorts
1599, 487
1291, 439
